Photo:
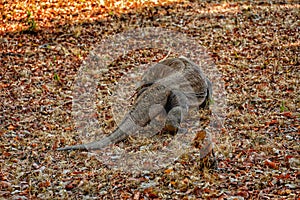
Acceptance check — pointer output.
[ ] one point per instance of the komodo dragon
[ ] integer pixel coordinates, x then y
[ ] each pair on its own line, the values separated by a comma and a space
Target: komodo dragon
174, 85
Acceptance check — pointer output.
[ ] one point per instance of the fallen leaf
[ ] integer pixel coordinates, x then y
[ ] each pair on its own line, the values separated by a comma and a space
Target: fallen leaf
271, 164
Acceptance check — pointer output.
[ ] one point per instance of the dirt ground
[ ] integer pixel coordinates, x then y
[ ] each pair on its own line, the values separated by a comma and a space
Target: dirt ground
254, 44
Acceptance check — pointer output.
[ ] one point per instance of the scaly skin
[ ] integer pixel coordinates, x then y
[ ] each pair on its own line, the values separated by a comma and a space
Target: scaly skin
137, 117
174, 84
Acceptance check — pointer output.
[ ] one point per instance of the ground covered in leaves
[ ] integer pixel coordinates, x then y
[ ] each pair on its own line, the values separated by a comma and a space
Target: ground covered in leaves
255, 44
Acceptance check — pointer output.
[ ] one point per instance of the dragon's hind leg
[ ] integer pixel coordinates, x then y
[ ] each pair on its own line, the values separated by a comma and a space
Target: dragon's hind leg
176, 108
173, 120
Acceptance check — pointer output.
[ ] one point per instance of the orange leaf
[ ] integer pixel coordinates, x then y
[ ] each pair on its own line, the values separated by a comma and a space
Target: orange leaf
16, 138
45, 88
172, 182
34, 144
272, 122
271, 164
68, 128
11, 127
168, 171
2, 85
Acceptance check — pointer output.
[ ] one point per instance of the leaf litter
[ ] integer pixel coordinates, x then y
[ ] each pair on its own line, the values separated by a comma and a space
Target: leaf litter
254, 44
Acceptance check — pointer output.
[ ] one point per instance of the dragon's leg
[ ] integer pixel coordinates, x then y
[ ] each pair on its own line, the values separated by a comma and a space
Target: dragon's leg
176, 108
173, 120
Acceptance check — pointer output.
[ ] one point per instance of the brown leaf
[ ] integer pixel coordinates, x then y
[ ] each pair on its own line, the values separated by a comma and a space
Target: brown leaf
72, 185
44, 184
5, 184
151, 193
136, 195
288, 114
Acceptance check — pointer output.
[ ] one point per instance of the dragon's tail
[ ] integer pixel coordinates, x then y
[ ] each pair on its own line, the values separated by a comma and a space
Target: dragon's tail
114, 137
126, 128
